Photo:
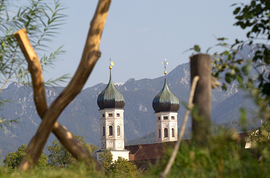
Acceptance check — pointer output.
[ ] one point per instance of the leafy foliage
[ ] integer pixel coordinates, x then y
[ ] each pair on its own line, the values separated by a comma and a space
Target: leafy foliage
123, 168
59, 156
106, 158
260, 136
41, 22
223, 158
12, 160
118, 168
251, 71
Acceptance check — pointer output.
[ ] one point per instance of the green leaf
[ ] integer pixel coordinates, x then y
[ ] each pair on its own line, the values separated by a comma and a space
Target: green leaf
236, 10
222, 39
197, 48
224, 87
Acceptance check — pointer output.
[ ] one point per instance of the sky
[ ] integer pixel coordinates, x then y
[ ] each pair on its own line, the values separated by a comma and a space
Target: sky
140, 34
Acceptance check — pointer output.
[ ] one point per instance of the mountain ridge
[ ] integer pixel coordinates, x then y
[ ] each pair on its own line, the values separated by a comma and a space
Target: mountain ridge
82, 117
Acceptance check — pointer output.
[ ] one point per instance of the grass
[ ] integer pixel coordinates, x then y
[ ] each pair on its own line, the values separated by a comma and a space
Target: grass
222, 158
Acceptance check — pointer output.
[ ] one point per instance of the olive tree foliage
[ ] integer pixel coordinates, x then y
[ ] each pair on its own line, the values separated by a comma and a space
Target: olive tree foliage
41, 21
13, 159
60, 156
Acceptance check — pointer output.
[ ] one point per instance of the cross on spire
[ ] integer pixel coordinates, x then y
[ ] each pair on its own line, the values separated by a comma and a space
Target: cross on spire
165, 63
111, 64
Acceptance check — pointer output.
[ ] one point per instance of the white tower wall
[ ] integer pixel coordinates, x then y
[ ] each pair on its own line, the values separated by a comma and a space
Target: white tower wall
166, 127
112, 135
112, 138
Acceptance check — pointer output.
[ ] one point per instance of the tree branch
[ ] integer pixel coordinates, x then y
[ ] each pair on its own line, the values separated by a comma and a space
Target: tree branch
34, 68
89, 58
63, 135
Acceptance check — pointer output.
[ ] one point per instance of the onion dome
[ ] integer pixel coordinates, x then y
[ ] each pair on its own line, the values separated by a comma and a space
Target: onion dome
111, 97
166, 101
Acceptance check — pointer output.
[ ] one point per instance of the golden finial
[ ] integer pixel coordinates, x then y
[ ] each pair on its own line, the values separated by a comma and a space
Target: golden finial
165, 63
111, 64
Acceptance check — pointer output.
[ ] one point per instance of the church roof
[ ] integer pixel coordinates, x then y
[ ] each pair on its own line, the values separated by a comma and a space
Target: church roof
150, 152
111, 97
166, 100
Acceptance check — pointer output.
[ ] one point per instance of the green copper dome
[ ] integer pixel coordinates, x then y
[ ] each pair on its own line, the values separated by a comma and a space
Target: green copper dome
166, 101
111, 97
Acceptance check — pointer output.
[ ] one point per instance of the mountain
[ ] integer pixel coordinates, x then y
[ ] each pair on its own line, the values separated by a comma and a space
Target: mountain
224, 113
82, 116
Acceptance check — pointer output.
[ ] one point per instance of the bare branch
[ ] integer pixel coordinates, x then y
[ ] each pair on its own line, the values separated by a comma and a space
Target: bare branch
34, 68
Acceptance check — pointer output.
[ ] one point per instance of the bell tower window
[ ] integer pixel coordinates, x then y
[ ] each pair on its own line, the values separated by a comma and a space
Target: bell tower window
159, 133
110, 130
103, 131
118, 130
165, 132
172, 132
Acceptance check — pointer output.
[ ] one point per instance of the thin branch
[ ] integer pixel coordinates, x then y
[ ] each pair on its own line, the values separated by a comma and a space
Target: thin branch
177, 145
4, 85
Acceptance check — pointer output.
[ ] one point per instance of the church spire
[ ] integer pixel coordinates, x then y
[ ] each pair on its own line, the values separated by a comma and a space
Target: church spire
166, 106
111, 103
111, 97
165, 100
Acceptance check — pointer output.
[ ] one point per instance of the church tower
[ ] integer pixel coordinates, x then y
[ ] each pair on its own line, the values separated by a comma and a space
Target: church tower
166, 106
111, 103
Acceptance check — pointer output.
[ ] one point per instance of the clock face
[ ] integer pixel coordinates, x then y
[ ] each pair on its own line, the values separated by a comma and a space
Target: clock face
103, 145
119, 144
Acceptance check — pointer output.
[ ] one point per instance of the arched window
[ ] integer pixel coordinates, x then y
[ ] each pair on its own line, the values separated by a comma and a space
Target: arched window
110, 130
103, 131
159, 133
165, 132
172, 132
118, 130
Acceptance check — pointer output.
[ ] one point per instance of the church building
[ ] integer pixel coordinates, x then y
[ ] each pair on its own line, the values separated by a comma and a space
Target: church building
166, 106
111, 103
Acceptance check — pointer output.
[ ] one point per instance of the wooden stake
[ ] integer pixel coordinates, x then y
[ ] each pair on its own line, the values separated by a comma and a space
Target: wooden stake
200, 65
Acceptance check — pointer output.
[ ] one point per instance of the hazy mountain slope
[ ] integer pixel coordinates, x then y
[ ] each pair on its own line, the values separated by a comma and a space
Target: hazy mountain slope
225, 113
